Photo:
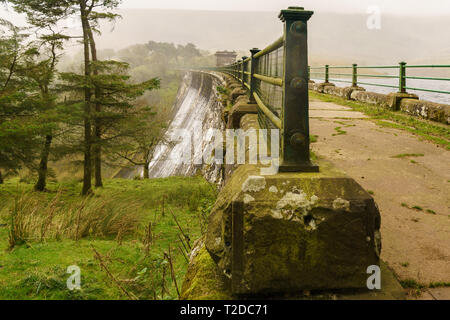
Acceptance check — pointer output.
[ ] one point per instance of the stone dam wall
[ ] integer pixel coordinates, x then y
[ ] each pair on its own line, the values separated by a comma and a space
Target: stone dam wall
279, 235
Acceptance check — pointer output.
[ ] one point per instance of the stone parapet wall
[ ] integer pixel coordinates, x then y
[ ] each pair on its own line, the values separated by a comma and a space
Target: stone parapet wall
407, 103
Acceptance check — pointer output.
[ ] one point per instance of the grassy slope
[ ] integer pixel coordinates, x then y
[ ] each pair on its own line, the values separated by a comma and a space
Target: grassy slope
427, 130
37, 270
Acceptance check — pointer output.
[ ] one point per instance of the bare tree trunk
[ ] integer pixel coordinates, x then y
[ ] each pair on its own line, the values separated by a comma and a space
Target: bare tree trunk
97, 148
1, 177
87, 183
146, 171
43, 165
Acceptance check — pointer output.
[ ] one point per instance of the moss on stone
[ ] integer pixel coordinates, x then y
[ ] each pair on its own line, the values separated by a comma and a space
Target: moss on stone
203, 280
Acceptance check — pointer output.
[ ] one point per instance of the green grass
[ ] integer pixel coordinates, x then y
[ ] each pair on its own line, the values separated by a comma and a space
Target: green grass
411, 284
405, 264
37, 269
339, 131
439, 284
406, 155
428, 130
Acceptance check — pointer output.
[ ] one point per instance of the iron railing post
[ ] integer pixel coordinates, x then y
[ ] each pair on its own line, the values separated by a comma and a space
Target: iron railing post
402, 78
243, 72
254, 63
327, 73
355, 75
295, 143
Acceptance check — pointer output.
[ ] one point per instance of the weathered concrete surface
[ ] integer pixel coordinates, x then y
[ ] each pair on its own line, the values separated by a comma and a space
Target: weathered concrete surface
204, 281
328, 106
335, 114
415, 242
293, 231
434, 294
427, 110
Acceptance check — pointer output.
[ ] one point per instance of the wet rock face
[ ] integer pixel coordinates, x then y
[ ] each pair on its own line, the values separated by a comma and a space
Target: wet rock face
293, 231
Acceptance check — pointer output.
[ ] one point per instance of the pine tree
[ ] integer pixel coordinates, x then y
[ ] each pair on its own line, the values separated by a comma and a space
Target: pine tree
45, 13
18, 131
42, 72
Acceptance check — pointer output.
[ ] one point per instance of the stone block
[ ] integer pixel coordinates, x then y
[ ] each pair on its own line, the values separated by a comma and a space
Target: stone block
239, 110
426, 109
372, 98
396, 97
236, 93
293, 231
319, 87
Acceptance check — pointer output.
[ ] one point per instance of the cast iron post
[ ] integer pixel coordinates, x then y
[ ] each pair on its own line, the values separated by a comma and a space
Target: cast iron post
254, 63
243, 72
402, 79
295, 153
327, 73
355, 76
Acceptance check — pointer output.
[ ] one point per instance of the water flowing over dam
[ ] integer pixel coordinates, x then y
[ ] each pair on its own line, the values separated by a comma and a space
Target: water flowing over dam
197, 109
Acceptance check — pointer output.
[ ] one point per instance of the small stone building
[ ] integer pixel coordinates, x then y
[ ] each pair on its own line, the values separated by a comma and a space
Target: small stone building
225, 57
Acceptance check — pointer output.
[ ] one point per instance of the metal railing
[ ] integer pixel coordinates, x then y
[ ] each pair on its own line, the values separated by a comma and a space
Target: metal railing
277, 81
399, 72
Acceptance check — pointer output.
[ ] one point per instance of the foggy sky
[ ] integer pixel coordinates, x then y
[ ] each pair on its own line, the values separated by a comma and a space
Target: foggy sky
398, 7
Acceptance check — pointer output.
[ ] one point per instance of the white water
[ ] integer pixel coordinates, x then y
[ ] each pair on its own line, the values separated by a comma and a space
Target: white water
197, 109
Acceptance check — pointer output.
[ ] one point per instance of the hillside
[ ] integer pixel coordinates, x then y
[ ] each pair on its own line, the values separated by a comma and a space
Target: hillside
333, 37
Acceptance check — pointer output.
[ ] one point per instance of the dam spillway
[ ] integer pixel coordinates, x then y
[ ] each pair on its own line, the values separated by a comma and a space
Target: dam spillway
196, 110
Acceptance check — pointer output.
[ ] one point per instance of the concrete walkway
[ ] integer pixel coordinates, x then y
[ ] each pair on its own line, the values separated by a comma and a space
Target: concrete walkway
412, 192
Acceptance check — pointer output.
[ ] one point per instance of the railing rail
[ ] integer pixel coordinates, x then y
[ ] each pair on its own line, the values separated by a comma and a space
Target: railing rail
401, 70
277, 80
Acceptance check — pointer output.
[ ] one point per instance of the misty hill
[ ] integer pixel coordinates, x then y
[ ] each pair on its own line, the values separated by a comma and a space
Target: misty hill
333, 37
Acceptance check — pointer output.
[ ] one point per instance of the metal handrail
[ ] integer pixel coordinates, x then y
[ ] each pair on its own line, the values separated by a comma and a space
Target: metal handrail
271, 80
402, 77
293, 119
274, 46
275, 120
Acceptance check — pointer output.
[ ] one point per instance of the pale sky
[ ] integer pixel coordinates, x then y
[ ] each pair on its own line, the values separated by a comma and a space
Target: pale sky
398, 7
401, 7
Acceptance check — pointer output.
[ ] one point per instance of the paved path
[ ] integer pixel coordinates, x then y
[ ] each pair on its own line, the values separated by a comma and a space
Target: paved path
416, 243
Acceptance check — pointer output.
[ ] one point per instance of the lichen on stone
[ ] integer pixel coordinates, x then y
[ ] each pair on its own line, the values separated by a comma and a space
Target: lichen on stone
248, 198
341, 204
254, 184
296, 202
